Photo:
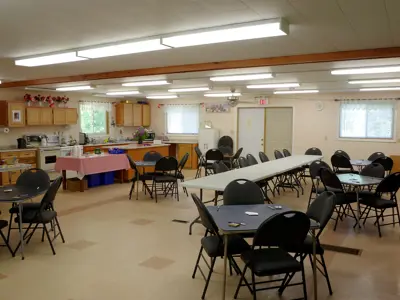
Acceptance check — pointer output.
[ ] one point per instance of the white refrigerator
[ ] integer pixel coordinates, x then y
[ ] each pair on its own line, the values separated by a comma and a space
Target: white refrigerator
208, 139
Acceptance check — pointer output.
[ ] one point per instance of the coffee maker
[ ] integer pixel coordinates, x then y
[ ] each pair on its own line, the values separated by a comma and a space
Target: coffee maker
22, 144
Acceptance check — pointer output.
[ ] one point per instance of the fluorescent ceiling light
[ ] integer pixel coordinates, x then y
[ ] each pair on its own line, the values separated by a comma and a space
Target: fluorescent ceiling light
242, 77
373, 70
234, 32
222, 95
122, 93
273, 85
193, 89
74, 88
297, 92
122, 49
106, 96
49, 59
147, 83
380, 89
367, 81
162, 97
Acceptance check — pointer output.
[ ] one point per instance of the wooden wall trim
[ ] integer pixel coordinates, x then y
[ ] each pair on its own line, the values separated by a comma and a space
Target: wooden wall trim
211, 66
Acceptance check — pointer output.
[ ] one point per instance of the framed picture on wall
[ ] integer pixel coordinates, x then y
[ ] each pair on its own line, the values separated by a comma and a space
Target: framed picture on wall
217, 108
16, 116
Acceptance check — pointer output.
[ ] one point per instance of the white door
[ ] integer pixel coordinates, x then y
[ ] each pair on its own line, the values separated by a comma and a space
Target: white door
251, 130
278, 130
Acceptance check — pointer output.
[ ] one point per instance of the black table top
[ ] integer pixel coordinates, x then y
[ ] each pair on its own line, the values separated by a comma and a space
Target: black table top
18, 194
225, 214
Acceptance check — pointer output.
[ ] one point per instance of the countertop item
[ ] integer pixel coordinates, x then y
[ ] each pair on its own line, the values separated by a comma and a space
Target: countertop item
137, 146
110, 144
181, 142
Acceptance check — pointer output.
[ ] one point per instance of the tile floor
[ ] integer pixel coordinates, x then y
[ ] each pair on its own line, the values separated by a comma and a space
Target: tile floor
121, 249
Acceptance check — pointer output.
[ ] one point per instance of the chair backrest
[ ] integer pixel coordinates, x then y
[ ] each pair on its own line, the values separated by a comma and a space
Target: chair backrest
242, 192
313, 151
132, 163
278, 154
341, 152
219, 167
206, 218
152, 156
237, 154
251, 159
386, 162
225, 141
34, 178
243, 163
340, 161
286, 153
167, 164
226, 150
183, 161
198, 152
373, 170
374, 156
286, 230
316, 166
390, 184
48, 198
214, 154
263, 157
321, 209
330, 179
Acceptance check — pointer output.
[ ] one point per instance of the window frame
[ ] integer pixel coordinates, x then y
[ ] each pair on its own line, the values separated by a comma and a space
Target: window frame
181, 134
107, 117
393, 139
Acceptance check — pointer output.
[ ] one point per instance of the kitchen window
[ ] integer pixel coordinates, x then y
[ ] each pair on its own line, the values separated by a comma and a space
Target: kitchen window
94, 117
367, 119
182, 119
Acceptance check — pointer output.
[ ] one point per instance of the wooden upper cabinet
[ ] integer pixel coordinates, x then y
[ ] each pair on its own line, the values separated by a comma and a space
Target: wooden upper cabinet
137, 115
71, 116
124, 114
46, 116
3, 113
33, 115
146, 119
16, 114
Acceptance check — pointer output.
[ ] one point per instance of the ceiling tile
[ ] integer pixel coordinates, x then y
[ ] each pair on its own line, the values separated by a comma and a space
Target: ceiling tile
393, 9
223, 5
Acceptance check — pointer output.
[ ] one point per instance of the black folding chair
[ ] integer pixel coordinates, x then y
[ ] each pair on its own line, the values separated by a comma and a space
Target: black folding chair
341, 164
310, 151
376, 155
242, 192
201, 163
263, 157
152, 156
341, 152
251, 159
243, 163
279, 232
386, 162
211, 156
233, 162
142, 177
212, 243
180, 175
169, 181
218, 167
316, 187
4, 224
290, 179
43, 216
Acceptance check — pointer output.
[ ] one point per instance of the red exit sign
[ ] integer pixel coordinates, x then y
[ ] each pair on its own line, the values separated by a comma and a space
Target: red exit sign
263, 101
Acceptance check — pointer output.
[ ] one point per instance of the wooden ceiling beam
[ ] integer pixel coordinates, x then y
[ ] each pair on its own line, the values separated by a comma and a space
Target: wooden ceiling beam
211, 66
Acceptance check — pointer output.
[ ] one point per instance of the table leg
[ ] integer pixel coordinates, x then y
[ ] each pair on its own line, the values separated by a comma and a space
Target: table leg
358, 208
121, 173
64, 176
225, 265
21, 235
82, 185
315, 265
137, 184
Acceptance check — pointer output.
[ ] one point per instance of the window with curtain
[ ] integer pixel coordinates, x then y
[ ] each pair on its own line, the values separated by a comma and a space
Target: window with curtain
367, 119
182, 119
94, 117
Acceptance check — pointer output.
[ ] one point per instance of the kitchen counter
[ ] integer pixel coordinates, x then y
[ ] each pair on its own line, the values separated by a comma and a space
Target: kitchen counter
181, 142
110, 144
10, 149
138, 146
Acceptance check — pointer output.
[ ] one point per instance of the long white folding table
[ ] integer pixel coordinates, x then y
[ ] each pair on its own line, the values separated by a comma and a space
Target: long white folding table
255, 173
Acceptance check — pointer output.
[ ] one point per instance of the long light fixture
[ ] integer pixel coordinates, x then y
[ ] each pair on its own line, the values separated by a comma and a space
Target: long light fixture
106, 96
192, 89
371, 81
228, 33
297, 92
373, 70
380, 89
123, 48
49, 59
161, 97
222, 94
242, 77
273, 85
147, 83
122, 93
74, 88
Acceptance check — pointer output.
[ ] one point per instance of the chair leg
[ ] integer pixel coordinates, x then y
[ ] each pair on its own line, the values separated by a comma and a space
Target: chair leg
197, 263
209, 277
377, 221
9, 226
33, 231
253, 279
6, 242
59, 229
328, 282
132, 189
337, 218
240, 282
303, 277
49, 239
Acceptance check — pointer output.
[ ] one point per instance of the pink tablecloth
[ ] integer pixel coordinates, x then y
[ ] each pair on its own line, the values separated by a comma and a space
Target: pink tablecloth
94, 164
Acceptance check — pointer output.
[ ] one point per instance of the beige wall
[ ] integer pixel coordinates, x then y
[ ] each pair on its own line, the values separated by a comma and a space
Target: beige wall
17, 95
311, 127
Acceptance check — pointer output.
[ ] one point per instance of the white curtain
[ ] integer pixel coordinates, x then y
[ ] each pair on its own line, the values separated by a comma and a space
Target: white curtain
182, 119
367, 119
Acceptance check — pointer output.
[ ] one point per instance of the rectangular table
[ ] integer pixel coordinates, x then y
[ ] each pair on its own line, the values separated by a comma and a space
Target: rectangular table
142, 164
91, 164
358, 181
236, 213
